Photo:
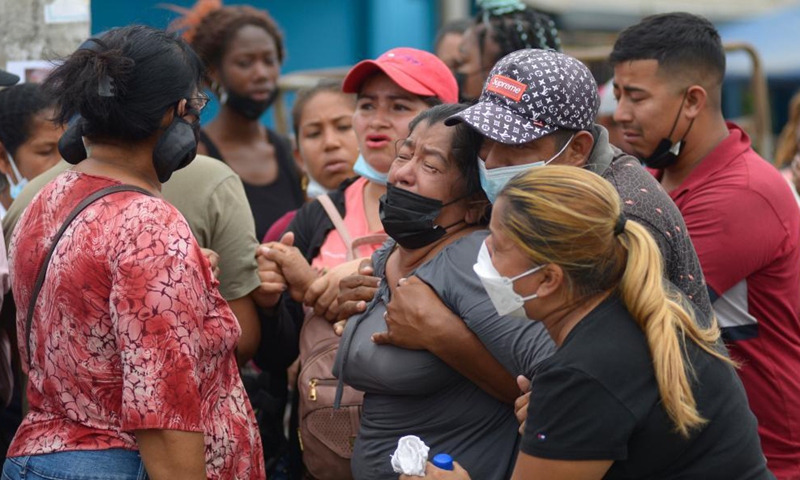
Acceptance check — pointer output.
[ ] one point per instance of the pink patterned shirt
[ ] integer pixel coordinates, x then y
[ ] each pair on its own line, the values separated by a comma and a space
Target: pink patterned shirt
130, 331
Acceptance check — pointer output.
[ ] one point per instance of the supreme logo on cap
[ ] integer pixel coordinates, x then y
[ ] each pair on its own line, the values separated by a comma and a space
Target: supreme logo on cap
507, 87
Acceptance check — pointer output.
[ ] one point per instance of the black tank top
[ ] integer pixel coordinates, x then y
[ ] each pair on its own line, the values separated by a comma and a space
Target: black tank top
269, 202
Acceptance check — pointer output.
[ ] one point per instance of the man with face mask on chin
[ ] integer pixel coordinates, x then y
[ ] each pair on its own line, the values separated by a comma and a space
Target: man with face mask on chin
741, 214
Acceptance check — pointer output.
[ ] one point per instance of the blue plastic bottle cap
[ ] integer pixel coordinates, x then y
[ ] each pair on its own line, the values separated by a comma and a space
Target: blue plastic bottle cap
443, 461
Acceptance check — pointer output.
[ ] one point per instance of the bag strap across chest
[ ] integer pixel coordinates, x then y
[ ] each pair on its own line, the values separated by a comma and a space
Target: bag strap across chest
351, 244
43, 270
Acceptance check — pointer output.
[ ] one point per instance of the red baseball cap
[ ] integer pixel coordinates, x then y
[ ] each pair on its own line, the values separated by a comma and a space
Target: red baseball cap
415, 71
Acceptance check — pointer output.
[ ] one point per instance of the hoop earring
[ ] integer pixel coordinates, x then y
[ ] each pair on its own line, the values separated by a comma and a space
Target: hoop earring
220, 91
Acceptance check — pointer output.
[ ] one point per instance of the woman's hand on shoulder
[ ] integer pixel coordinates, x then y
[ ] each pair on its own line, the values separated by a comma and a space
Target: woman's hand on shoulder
213, 260
416, 318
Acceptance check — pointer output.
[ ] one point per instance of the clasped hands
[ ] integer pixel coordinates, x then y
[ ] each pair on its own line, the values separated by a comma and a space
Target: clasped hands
283, 267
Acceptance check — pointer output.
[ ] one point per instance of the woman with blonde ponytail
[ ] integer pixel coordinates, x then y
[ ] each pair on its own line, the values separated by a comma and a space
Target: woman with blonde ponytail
635, 389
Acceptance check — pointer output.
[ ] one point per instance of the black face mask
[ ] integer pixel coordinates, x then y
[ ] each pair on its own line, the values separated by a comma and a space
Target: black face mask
70, 145
246, 106
408, 218
175, 149
666, 153
177, 146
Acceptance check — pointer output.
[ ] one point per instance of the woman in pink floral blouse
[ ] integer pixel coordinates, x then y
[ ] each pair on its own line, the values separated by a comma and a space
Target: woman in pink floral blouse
130, 358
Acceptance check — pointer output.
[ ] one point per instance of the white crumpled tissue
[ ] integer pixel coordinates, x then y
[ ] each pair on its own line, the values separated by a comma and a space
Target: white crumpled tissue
411, 456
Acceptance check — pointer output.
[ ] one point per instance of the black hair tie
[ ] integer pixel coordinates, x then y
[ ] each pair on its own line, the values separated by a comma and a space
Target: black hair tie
105, 84
619, 228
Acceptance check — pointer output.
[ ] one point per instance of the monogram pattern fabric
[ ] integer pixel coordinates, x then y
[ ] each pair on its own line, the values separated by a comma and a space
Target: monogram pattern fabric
532, 93
130, 331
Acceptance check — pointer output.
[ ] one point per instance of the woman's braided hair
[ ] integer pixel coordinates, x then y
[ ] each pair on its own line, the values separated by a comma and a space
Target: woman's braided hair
515, 26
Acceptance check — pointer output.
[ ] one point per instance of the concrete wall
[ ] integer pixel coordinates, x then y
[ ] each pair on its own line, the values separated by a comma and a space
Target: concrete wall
24, 35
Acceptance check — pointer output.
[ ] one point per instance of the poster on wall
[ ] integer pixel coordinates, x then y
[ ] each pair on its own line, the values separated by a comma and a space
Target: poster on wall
66, 11
30, 71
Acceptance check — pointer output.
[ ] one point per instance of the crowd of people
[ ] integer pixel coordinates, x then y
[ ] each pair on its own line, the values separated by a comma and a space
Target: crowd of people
451, 245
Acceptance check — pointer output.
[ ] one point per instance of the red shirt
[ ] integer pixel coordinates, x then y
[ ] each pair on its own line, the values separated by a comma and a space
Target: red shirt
745, 225
130, 331
278, 228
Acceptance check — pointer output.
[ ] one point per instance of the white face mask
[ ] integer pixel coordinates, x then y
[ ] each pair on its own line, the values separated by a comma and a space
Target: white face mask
501, 289
495, 179
15, 188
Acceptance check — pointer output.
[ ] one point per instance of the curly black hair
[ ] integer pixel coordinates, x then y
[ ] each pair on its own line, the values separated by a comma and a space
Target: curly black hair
216, 29
517, 30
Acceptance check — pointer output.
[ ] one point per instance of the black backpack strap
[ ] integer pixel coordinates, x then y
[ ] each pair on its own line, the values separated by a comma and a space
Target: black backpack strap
43, 270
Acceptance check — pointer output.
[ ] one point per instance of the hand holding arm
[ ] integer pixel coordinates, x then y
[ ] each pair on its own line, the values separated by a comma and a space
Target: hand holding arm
354, 293
213, 259
272, 286
296, 271
417, 319
322, 294
522, 402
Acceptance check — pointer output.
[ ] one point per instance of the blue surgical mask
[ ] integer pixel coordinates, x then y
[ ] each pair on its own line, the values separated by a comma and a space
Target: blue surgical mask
15, 188
365, 170
493, 181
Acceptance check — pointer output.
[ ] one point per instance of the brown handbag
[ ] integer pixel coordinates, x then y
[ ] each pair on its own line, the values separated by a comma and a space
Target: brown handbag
326, 434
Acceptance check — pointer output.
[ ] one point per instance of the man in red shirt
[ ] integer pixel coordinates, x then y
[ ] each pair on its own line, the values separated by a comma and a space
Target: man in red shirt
740, 213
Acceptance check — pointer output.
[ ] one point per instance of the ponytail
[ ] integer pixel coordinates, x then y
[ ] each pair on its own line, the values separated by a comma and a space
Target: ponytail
666, 324
572, 218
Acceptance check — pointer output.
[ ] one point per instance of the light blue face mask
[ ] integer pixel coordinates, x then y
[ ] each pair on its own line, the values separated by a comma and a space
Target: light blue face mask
314, 189
15, 188
365, 170
493, 181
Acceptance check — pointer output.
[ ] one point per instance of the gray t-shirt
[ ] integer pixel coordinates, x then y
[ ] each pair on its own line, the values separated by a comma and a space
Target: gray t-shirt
410, 392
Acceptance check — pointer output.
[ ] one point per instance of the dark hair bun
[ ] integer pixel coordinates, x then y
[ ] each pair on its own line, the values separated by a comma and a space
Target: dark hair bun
123, 81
